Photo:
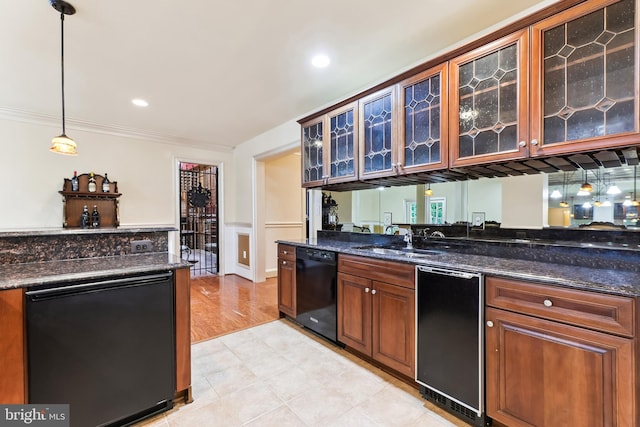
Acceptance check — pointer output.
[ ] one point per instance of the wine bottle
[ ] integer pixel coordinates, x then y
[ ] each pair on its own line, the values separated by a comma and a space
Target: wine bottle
105, 184
92, 183
74, 181
95, 217
84, 218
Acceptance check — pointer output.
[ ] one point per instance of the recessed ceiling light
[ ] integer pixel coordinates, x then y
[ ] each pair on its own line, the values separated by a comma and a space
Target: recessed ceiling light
139, 102
320, 61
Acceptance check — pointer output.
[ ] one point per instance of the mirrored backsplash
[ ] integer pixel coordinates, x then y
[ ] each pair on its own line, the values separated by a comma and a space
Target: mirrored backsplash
558, 200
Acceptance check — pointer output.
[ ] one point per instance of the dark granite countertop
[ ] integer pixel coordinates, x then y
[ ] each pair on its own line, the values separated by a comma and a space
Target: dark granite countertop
72, 231
51, 272
612, 281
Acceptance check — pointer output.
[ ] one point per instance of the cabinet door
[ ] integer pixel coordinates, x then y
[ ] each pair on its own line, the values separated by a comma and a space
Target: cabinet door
313, 152
423, 137
287, 286
342, 127
13, 387
378, 134
394, 327
489, 102
354, 312
542, 373
584, 79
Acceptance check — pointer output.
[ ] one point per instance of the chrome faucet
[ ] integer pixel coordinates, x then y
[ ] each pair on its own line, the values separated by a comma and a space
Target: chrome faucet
436, 233
409, 239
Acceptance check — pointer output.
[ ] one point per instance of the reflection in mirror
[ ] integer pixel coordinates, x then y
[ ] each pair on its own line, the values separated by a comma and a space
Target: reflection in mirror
528, 201
599, 198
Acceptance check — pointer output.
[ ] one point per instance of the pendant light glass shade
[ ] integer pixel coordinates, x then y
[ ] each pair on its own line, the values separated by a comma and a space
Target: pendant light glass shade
428, 192
62, 144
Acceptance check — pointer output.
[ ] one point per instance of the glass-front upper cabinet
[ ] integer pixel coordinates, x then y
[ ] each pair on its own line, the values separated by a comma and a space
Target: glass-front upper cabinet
342, 126
585, 78
489, 102
422, 142
330, 147
378, 134
313, 153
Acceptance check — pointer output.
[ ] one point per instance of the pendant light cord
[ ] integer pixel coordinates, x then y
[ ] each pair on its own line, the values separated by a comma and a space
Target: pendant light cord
62, 67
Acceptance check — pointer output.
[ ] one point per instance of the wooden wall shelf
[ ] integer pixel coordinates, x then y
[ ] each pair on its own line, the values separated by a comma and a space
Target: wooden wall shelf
105, 202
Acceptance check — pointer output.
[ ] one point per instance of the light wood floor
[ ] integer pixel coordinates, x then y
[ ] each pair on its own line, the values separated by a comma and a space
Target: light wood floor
225, 304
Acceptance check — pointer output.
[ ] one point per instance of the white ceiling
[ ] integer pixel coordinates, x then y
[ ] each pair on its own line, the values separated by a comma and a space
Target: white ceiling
219, 73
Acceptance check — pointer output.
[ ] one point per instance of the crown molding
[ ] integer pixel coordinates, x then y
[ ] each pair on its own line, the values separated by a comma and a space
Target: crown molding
24, 116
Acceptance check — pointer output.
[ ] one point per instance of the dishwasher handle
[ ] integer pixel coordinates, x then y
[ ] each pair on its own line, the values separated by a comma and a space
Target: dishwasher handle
445, 272
65, 290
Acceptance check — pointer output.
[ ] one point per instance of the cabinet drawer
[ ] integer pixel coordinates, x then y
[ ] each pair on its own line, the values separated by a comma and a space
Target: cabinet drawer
378, 269
607, 313
287, 252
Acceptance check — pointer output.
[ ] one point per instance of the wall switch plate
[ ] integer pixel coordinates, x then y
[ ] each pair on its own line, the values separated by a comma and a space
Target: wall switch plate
140, 246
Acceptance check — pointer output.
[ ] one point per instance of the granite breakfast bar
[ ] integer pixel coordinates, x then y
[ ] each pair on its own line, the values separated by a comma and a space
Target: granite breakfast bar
48, 259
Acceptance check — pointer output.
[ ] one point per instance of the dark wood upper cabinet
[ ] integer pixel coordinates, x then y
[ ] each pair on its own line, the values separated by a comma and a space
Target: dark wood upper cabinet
489, 102
378, 128
423, 122
330, 147
584, 79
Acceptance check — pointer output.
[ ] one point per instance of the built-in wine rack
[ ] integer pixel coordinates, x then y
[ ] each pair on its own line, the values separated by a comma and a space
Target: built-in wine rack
74, 202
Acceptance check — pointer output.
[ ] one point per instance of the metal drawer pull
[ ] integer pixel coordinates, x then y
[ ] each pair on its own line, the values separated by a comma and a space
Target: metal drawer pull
490, 323
366, 290
547, 303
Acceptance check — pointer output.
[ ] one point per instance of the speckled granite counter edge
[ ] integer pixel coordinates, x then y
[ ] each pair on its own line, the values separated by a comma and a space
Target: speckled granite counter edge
52, 272
72, 231
611, 281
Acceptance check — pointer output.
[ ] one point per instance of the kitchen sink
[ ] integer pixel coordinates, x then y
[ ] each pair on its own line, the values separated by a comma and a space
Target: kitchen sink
409, 253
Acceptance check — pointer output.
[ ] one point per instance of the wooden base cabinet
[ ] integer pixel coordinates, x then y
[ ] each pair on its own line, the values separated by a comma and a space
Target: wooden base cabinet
376, 318
13, 381
542, 372
287, 280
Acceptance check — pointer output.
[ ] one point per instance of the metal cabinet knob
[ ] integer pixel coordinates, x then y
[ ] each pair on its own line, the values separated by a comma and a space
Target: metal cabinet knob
373, 292
490, 323
285, 252
547, 303
534, 142
522, 144
366, 290
284, 262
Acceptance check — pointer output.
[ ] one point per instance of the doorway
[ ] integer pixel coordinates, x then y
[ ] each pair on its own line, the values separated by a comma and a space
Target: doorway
199, 217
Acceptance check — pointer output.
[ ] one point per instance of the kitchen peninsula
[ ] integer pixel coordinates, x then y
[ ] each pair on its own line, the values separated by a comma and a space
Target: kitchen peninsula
87, 284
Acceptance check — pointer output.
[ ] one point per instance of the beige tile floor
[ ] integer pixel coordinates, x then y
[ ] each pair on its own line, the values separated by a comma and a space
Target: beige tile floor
277, 374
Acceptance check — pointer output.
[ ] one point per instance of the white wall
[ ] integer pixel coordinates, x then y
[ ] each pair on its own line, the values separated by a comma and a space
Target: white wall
525, 201
146, 173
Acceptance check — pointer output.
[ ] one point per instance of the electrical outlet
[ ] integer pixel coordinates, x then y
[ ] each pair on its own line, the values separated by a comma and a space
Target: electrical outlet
139, 246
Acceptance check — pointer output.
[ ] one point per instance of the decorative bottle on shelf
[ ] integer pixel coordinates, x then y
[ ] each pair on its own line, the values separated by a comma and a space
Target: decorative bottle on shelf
74, 181
92, 183
105, 184
85, 218
95, 217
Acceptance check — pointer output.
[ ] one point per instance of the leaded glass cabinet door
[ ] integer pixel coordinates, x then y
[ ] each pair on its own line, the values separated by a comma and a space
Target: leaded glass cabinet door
584, 79
378, 134
423, 143
489, 102
312, 153
342, 127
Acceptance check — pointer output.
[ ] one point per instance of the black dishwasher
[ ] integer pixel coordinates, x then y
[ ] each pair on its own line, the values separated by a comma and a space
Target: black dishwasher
316, 291
450, 341
104, 347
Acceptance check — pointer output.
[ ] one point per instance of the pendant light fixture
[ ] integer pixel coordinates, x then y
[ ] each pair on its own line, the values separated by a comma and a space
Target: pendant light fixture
428, 192
585, 188
565, 183
62, 144
634, 202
